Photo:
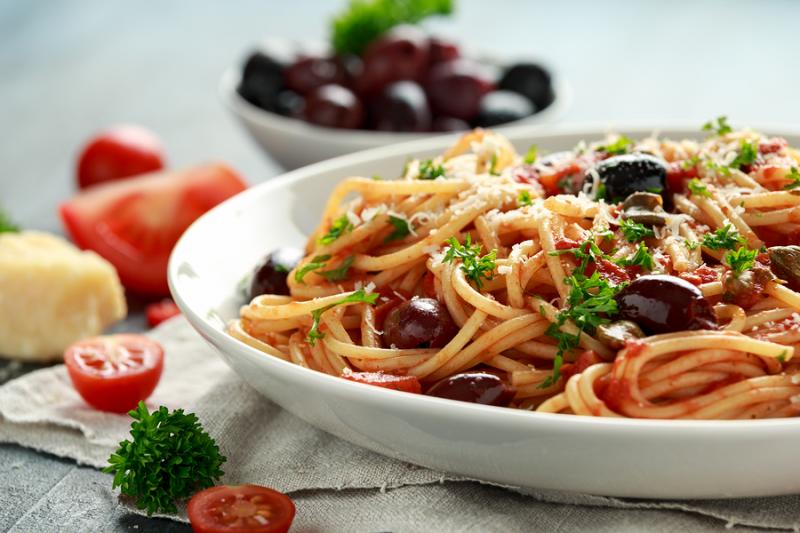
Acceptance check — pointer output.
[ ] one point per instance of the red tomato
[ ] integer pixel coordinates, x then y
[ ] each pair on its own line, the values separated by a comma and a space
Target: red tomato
387, 381
113, 373
240, 509
160, 311
135, 223
584, 361
120, 152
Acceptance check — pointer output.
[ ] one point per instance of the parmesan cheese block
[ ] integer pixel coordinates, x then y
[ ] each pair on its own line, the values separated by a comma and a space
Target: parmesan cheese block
52, 294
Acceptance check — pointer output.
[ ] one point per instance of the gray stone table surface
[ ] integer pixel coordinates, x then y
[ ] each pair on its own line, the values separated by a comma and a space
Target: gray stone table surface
68, 69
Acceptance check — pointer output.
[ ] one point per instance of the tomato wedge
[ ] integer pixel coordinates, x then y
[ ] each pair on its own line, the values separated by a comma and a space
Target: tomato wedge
240, 509
113, 373
161, 311
117, 153
135, 223
387, 381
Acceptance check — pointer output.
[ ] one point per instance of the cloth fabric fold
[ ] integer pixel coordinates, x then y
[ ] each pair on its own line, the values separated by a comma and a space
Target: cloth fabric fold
266, 445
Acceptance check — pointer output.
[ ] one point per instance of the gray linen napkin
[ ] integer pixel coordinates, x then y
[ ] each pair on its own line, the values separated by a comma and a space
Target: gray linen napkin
328, 477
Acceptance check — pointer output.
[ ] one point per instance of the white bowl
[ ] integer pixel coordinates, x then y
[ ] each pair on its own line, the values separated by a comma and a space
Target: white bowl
617, 457
294, 143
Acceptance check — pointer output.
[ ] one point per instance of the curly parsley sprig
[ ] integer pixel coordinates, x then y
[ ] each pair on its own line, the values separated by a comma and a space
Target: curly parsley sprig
169, 458
359, 296
635, 231
724, 238
794, 177
740, 260
719, 126
428, 170
475, 267
339, 227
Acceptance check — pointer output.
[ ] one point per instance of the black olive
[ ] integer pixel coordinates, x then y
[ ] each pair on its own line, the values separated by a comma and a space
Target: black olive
402, 107
530, 80
418, 323
499, 107
623, 175
665, 304
475, 387
262, 77
269, 276
289, 104
785, 263
644, 208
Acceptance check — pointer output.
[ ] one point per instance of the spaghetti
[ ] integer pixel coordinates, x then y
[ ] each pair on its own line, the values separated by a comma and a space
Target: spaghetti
649, 279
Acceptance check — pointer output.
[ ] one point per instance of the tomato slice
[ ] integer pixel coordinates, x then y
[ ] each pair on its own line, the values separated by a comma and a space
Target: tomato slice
117, 153
160, 311
135, 223
387, 381
113, 373
240, 509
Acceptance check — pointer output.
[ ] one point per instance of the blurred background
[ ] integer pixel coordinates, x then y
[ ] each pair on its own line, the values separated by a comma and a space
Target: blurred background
70, 69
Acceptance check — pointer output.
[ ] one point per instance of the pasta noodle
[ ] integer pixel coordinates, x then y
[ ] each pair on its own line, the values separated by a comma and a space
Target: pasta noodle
539, 266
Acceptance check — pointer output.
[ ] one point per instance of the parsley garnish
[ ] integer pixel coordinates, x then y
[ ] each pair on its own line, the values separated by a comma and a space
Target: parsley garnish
698, 188
429, 171
590, 303
586, 252
719, 126
169, 458
493, 166
365, 20
740, 260
6, 226
794, 175
690, 163
635, 231
475, 267
782, 357
618, 147
747, 155
725, 238
357, 297
641, 258
316, 263
531, 155
339, 227
716, 167
692, 245
339, 273
524, 198
402, 228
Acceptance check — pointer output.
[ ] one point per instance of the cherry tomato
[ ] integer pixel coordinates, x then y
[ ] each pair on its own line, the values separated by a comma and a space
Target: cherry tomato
240, 509
159, 312
135, 223
113, 373
117, 153
387, 381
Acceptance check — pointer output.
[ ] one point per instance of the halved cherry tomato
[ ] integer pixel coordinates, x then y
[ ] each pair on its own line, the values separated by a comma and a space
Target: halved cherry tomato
240, 509
117, 153
135, 223
160, 311
113, 373
387, 381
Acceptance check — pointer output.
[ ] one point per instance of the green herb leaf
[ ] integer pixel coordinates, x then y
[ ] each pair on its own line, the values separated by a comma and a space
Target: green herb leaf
621, 146
531, 155
402, 228
725, 238
719, 126
793, 175
493, 166
339, 227
524, 198
698, 188
314, 334
641, 258
635, 231
690, 163
475, 267
339, 273
740, 260
429, 171
6, 226
747, 155
169, 458
692, 245
316, 263
365, 20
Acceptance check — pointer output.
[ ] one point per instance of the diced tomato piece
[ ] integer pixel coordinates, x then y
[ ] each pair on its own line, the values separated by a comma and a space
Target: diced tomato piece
566, 244
776, 144
611, 272
160, 311
240, 509
387, 381
584, 361
115, 372
135, 223
700, 275
678, 175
